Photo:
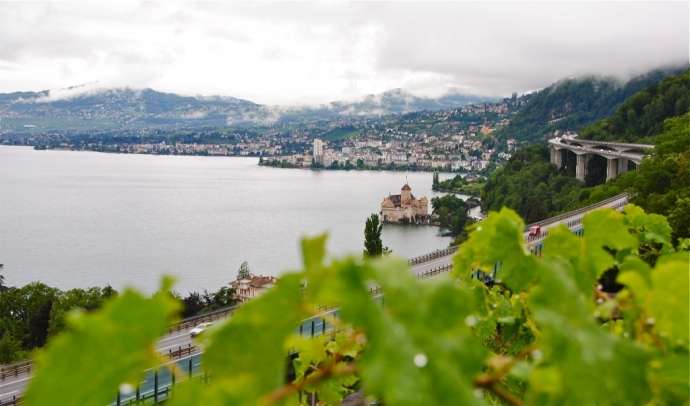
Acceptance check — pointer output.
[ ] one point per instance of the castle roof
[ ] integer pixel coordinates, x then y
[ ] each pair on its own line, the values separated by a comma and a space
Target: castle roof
387, 203
406, 187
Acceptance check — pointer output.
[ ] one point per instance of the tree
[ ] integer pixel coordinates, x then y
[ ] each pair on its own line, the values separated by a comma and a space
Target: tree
372, 237
2, 280
243, 272
87, 299
193, 304
434, 184
9, 348
225, 296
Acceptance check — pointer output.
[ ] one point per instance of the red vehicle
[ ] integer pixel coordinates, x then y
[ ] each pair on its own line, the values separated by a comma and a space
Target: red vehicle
535, 230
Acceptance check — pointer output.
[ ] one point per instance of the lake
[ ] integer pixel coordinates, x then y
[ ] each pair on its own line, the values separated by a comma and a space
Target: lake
80, 219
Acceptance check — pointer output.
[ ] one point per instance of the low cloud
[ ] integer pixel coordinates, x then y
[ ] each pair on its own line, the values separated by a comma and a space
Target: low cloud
194, 115
315, 53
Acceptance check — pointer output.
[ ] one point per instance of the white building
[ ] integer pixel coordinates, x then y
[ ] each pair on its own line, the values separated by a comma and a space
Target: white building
318, 150
252, 287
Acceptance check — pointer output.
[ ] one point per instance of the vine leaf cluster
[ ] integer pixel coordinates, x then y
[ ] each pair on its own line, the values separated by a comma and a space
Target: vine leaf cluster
543, 334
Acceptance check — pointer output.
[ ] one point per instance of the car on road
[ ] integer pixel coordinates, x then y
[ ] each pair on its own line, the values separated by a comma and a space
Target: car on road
200, 329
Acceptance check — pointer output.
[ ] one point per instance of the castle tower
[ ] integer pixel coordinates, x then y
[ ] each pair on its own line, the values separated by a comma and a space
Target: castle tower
405, 193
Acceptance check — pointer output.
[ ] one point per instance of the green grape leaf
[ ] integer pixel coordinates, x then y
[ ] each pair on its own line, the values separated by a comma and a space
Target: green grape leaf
546, 380
314, 252
637, 277
649, 227
604, 228
557, 291
86, 364
575, 353
247, 355
668, 378
327, 284
668, 304
497, 239
311, 351
419, 348
562, 243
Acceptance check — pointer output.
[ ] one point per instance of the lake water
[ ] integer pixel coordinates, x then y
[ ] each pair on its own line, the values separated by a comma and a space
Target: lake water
81, 219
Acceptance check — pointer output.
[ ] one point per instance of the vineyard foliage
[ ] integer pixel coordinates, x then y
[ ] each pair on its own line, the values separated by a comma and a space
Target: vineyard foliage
542, 334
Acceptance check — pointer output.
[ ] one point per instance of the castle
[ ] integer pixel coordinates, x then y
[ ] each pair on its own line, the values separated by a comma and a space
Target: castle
405, 208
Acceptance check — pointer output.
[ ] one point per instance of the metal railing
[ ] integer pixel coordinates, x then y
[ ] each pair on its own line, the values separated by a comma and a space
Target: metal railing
573, 223
16, 369
11, 402
180, 351
580, 211
433, 255
202, 318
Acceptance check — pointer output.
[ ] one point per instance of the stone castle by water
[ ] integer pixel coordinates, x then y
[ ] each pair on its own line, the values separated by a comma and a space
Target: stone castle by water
405, 208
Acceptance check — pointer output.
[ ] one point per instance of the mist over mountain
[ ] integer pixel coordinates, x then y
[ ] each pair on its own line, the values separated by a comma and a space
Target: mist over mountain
573, 103
568, 104
83, 108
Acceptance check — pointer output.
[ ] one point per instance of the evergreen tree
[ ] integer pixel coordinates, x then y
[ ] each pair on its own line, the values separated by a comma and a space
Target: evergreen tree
372, 237
243, 272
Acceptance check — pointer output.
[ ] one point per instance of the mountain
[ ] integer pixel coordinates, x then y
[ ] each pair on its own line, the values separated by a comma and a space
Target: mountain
659, 114
641, 117
82, 109
571, 104
393, 101
399, 101
118, 109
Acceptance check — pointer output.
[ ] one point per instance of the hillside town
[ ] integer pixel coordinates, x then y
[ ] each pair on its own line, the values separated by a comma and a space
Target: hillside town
452, 152
458, 140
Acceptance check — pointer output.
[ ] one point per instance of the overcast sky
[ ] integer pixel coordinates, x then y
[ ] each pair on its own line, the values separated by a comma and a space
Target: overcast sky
294, 53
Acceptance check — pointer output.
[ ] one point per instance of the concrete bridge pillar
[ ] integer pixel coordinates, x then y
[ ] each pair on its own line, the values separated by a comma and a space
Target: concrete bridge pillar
622, 166
556, 157
611, 168
581, 169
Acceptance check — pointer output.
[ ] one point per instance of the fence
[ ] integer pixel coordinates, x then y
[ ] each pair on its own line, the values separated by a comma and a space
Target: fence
573, 223
433, 255
16, 369
11, 402
188, 350
584, 210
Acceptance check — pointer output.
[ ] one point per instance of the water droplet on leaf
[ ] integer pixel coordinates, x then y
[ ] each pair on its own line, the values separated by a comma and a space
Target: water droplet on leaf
537, 354
420, 360
126, 389
470, 321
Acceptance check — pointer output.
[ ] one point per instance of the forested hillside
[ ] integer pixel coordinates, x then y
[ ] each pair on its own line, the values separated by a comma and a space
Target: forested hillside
661, 184
642, 116
574, 103
658, 114
532, 186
